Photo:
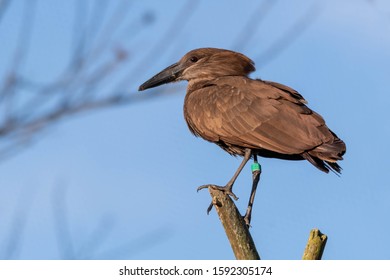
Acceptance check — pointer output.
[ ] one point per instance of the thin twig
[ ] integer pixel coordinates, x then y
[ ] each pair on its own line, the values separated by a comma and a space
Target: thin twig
250, 26
4, 4
165, 41
288, 37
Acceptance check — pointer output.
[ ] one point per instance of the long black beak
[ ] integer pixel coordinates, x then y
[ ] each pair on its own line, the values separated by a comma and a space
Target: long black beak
169, 74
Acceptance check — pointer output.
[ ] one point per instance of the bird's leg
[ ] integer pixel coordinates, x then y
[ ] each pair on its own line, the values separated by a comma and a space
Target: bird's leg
256, 171
229, 186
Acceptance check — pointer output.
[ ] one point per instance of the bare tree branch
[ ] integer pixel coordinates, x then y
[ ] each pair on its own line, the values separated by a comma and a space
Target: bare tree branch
166, 40
79, 88
315, 245
235, 227
14, 238
4, 4
60, 210
100, 53
250, 26
288, 37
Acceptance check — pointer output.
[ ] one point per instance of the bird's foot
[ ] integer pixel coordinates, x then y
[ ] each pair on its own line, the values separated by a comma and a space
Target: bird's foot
226, 189
247, 219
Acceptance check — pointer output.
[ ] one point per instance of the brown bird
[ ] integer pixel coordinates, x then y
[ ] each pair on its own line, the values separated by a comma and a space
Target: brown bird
248, 117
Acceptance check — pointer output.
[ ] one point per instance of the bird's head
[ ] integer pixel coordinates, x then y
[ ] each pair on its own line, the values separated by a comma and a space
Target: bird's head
203, 64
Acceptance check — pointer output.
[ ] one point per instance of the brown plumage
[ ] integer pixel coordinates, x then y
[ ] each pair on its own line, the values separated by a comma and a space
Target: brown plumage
224, 106
249, 117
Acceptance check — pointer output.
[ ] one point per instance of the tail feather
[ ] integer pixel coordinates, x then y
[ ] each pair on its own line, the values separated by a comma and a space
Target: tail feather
325, 156
334, 167
323, 165
320, 164
330, 151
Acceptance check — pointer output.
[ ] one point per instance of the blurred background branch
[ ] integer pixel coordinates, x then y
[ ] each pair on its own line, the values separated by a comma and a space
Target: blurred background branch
102, 49
105, 60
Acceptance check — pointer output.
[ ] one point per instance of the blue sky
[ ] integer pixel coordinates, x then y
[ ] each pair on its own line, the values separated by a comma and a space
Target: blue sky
120, 183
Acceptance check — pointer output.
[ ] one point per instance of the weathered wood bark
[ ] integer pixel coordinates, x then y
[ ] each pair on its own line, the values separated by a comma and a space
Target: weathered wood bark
235, 227
315, 245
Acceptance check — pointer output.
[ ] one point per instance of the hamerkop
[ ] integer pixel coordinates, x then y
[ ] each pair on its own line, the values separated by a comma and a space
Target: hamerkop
249, 117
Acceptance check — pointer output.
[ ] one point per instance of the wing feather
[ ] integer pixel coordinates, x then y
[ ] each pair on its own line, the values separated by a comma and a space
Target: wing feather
255, 114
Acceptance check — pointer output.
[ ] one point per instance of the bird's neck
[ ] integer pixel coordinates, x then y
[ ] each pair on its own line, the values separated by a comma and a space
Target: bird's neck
195, 84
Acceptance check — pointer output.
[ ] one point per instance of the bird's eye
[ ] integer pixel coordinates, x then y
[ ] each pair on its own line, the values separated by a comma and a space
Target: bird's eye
193, 59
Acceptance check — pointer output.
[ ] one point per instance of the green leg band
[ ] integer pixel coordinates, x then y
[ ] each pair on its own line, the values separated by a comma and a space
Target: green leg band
255, 167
